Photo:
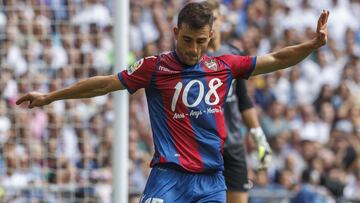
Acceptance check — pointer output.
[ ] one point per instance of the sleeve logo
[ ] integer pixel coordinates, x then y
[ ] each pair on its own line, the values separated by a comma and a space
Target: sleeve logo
135, 66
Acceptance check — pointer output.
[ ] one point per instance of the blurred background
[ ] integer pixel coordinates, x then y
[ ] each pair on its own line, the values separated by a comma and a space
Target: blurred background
62, 153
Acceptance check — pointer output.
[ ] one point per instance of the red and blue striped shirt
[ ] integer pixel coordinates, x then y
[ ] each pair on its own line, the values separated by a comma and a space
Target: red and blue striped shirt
186, 105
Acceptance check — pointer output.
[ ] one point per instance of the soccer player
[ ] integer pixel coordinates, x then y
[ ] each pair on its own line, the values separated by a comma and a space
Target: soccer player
237, 101
186, 91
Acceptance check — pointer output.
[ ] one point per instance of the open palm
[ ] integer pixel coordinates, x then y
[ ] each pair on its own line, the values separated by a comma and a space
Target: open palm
321, 30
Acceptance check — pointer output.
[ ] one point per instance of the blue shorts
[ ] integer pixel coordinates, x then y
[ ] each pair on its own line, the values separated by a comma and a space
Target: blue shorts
170, 185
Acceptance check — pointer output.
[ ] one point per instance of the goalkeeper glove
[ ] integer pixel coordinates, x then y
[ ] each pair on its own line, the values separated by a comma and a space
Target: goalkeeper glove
263, 148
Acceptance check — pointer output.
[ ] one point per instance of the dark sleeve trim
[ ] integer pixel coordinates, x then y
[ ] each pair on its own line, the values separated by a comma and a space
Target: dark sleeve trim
252, 68
121, 79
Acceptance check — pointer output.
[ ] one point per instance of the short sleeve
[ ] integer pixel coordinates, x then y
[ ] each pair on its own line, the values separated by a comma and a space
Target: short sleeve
240, 66
139, 74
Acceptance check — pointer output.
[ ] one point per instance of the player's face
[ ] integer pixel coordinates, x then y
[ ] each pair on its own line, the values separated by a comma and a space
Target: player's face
191, 43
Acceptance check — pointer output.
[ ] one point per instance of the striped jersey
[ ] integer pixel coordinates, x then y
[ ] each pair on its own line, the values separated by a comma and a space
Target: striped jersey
186, 105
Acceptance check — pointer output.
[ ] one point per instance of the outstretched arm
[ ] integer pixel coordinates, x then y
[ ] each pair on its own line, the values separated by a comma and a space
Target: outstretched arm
94, 86
292, 55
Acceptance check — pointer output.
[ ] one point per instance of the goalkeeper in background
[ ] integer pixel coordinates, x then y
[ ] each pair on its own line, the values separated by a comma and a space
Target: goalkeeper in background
237, 102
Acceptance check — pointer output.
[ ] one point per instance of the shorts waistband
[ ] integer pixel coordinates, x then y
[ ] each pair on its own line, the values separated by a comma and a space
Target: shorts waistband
178, 168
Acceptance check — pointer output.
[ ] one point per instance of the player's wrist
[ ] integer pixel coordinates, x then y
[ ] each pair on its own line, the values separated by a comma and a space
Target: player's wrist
258, 134
47, 98
316, 43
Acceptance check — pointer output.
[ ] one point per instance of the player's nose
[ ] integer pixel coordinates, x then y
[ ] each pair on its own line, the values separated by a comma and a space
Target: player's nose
192, 48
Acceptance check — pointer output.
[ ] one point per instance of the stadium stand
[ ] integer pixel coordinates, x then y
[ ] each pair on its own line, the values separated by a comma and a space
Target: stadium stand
61, 153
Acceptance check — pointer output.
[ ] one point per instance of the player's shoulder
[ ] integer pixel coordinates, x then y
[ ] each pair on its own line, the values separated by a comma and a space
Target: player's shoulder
215, 58
168, 57
169, 61
146, 63
231, 57
150, 59
165, 61
223, 58
162, 57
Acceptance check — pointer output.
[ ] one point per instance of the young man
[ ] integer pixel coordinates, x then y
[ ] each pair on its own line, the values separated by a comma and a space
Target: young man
186, 91
237, 102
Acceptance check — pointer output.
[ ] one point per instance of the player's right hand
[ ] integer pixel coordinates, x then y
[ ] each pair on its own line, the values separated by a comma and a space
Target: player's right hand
35, 99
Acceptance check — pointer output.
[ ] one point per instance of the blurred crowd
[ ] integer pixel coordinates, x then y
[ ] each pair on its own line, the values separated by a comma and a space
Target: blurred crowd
310, 113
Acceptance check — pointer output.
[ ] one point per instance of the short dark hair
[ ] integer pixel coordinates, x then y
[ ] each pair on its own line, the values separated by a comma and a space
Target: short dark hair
196, 15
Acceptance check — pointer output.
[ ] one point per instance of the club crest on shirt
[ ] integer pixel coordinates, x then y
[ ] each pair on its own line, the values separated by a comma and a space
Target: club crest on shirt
135, 66
211, 64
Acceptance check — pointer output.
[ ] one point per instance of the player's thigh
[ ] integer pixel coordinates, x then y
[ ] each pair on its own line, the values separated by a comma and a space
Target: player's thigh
165, 185
217, 197
209, 188
235, 172
168, 185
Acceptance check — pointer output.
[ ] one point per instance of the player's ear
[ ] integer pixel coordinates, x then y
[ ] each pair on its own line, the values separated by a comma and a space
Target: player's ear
176, 32
211, 34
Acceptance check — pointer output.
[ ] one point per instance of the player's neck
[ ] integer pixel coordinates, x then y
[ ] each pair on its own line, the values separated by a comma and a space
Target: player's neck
179, 58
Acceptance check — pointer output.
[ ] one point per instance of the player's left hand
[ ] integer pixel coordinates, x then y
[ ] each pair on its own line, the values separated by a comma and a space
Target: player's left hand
263, 147
321, 30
